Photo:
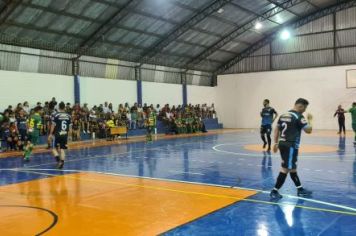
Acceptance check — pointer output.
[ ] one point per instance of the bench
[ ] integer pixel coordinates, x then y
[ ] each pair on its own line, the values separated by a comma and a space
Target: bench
120, 130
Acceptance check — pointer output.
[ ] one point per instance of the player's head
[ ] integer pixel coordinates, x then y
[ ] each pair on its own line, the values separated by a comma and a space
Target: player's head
37, 109
61, 106
301, 105
265, 102
339, 106
354, 104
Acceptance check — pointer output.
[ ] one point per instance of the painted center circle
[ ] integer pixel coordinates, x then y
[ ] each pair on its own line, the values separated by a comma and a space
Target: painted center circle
304, 148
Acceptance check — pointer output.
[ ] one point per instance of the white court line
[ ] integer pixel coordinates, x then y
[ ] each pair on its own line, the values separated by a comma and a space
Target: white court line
188, 182
183, 172
215, 148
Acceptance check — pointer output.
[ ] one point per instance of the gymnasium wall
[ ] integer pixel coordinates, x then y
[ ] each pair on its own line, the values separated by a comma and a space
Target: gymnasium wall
96, 91
162, 93
201, 94
240, 96
33, 87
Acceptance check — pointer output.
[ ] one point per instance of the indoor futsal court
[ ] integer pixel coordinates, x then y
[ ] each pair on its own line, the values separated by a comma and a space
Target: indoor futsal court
178, 117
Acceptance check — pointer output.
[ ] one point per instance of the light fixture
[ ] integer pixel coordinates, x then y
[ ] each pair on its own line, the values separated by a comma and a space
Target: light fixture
221, 10
285, 34
258, 25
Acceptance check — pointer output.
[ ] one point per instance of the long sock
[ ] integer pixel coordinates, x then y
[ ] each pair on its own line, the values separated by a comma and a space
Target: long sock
263, 138
294, 176
269, 141
280, 180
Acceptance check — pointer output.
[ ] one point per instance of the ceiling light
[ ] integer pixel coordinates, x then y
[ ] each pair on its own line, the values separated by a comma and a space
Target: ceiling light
221, 10
285, 34
258, 25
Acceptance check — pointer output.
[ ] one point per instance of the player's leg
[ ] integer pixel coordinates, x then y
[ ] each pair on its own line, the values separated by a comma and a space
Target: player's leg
302, 192
62, 147
268, 134
28, 150
263, 132
354, 129
55, 148
340, 125
343, 127
285, 153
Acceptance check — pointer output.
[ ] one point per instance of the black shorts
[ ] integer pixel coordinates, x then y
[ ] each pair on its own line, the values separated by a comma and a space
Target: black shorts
60, 141
289, 155
23, 135
266, 129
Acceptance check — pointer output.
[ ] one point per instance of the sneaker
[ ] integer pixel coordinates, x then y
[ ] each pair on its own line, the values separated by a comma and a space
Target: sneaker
27, 159
302, 192
60, 165
275, 195
269, 149
264, 145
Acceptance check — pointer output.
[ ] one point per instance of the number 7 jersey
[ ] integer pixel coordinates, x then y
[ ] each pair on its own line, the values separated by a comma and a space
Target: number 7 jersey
290, 127
61, 122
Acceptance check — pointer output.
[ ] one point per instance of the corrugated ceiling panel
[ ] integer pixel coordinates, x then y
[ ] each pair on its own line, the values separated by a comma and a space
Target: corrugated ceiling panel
346, 38
165, 9
250, 64
346, 55
303, 8
346, 18
302, 43
304, 59
9, 61
262, 51
235, 14
222, 56
235, 47
92, 69
198, 38
213, 25
55, 66
323, 24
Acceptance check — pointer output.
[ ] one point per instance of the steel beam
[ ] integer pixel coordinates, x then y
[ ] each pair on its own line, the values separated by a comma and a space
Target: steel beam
242, 29
180, 29
295, 24
8, 9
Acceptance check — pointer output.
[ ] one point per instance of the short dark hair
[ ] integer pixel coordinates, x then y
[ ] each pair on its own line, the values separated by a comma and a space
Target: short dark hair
354, 104
37, 108
266, 100
62, 106
302, 101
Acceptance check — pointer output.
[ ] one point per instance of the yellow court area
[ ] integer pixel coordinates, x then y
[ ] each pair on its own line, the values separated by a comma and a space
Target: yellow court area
98, 204
305, 148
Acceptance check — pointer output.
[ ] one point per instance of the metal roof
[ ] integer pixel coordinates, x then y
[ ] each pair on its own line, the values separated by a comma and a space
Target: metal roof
189, 34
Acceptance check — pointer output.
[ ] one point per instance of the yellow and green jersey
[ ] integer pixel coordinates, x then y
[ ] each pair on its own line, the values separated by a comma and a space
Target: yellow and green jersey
35, 123
151, 119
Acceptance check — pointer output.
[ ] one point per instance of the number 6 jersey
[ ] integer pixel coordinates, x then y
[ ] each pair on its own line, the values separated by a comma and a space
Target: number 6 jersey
290, 127
61, 122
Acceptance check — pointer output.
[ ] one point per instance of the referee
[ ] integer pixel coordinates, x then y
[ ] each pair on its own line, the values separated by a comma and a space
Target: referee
287, 140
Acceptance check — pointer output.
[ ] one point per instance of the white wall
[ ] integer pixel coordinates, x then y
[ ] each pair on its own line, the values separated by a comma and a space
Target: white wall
16, 87
201, 94
162, 93
96, 91
240, 96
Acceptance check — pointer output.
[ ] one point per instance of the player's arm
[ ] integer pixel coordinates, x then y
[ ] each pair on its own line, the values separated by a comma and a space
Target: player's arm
308, 127
276, 138
275, 115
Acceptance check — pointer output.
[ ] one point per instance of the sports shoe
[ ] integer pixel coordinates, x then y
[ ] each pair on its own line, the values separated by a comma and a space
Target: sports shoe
302, 192
264, 145
60, 165
275, 195
26, 159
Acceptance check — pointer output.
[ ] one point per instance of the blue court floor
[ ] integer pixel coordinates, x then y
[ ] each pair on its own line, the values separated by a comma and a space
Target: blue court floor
221, 159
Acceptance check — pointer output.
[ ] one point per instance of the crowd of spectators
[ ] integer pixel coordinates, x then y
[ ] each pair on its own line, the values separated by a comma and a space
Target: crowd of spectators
97, 120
